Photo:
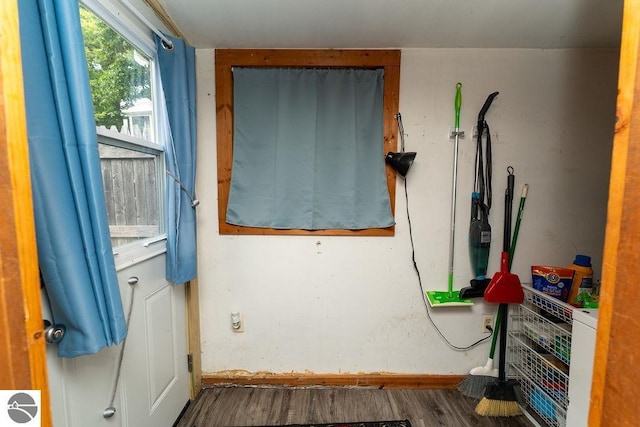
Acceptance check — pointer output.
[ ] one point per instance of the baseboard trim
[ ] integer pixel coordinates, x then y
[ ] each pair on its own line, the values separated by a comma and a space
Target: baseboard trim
409, 381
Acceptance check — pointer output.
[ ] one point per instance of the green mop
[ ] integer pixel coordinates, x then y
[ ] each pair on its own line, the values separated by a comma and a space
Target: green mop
450, 297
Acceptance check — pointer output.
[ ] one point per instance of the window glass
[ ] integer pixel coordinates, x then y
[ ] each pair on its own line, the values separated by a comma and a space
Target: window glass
130, 179
120, 76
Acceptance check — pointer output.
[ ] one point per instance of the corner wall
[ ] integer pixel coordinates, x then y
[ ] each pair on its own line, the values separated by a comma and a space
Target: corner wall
353, 305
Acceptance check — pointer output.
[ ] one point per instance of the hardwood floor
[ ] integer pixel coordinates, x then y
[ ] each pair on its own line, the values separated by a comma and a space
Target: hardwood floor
277, 406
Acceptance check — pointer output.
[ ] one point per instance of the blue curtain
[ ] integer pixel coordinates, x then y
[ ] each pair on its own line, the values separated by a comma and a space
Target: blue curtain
177, 72
308, 149
74, 247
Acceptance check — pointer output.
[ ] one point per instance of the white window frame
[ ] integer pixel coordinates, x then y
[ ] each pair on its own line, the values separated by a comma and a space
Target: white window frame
140, 36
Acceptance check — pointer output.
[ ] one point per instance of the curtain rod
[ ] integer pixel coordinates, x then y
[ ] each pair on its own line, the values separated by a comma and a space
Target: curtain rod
167, 44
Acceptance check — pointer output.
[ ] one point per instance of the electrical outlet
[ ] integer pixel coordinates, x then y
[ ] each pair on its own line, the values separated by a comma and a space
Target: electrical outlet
237, 322
487, 322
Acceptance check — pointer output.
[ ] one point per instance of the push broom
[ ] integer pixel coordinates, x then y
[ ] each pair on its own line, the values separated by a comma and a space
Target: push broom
501, 396
480, 377
450, 297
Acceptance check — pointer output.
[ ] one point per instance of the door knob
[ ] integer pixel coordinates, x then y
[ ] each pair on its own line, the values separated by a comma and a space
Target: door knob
53, 333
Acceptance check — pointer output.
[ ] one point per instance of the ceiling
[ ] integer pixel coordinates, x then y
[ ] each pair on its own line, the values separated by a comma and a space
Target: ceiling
546, 24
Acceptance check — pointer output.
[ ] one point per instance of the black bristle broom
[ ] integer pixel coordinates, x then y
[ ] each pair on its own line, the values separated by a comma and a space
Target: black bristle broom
501, 397
480, 377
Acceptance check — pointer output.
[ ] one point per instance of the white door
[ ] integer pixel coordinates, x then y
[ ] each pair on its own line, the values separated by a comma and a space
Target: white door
156, 378
154, 382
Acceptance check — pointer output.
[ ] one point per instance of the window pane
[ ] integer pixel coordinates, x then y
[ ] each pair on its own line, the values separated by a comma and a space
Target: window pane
121, 88
120, 79
131, 193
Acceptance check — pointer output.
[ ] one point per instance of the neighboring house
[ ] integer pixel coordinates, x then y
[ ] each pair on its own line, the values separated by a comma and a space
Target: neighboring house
138, 120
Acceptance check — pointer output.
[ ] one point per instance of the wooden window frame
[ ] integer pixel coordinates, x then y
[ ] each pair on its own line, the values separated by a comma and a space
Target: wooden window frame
226, 59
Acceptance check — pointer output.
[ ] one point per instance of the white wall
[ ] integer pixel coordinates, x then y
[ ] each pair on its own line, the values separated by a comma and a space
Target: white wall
352, 305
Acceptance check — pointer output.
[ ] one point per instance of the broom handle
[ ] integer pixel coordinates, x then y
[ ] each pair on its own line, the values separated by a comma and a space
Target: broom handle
502, 374
496, 332
504, 308
508, 202
514, 239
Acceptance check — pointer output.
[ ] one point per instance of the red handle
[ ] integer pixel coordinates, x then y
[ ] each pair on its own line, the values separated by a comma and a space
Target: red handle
504, 262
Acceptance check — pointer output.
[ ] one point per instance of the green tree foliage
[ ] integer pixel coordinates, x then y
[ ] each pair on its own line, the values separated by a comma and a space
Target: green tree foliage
116, 78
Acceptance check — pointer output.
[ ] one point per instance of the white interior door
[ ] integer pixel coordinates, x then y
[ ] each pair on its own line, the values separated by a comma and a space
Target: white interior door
154, 380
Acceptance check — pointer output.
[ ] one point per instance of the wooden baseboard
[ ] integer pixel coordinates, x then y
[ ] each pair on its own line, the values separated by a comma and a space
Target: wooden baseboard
409, 381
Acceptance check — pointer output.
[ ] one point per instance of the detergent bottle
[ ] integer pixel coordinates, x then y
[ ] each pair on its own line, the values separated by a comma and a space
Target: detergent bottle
583, 277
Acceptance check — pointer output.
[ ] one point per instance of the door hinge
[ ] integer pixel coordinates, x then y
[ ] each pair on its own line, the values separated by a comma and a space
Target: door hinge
189, 362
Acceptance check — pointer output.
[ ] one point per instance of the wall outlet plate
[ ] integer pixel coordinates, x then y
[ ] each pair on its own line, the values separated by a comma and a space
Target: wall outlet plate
237, 322
487, 321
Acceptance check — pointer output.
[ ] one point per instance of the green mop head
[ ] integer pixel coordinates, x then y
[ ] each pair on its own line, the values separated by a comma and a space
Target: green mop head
447, 298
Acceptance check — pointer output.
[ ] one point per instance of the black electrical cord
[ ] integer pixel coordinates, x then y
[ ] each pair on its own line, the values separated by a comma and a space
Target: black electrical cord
415, 264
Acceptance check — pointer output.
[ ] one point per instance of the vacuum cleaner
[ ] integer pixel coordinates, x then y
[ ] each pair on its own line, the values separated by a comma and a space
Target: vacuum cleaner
479, 227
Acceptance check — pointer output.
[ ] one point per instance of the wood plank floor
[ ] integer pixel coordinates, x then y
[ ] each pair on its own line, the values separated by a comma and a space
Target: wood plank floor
277, 406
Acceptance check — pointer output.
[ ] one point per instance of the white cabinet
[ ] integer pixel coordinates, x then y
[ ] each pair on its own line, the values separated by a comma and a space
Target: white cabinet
583, 346
550, 351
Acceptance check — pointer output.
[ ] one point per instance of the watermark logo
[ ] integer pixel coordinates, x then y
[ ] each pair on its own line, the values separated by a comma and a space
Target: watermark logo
22, 408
